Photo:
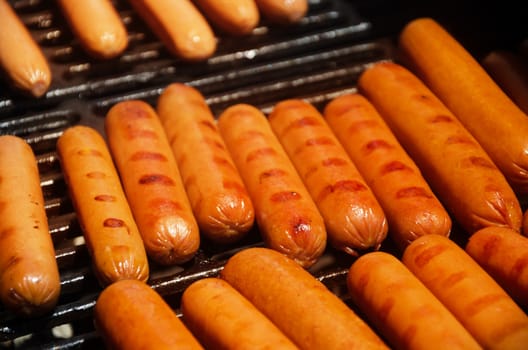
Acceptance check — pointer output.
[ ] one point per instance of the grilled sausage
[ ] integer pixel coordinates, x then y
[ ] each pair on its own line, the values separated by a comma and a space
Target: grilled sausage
218, 196
460, 172
111, 235
283, 11
476, 300
152, 182
299, 304
29, 276
180, 27
411, 207
221, 318
129, 314
449, 70
236, 17
20, 57
354, 219
286, 215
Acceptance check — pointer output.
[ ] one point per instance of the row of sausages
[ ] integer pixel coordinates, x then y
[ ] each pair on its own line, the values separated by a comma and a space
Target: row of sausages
185, 27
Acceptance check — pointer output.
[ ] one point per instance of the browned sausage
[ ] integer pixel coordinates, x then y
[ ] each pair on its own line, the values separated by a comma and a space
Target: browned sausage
283, 11
236, 17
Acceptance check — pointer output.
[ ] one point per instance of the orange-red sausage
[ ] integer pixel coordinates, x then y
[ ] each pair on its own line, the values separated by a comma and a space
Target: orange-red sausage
353, 217
411, 207
286, 215
20, 57
180, 27
29, 276
236, 17
469, 92
129, 314
454, 164
401, 308
97, 26
218, 196
299, 304
111, 234
503, 253
476, 300
221, 318
152, 182
283, 11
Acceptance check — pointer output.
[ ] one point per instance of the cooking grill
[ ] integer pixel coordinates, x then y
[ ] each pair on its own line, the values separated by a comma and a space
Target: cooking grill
317, 59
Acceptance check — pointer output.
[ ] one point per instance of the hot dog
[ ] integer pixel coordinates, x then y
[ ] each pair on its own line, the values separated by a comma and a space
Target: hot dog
129, 314
221, 318
401, 307
180, 27
299, 304
476, 300
152, 182
111, 234
97, 26
456, 167
411, 207
503, 253
354, 219
450, 71
20, 57
236, 17
222, 207
283, 11
286, 215
29, 276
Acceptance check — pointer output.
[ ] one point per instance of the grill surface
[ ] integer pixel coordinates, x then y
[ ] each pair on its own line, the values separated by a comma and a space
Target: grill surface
318, 59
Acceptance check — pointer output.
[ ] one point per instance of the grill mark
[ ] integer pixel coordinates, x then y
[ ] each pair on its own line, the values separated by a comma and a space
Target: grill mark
330, 162
3, 205
214, 143
373, 145
260, 153
96, 175
307, 121
480, 162
459, 139
428, 254
166, 206
386, 308
351, 186
453, 279
223, 162
481, 303
285, 196
310, 171
441, 118
345, 107
520, 266
90, 153
6, 233
158, 179
105, 198
320, 141
362, 125
189, 181
490, 247
234, 185
412, 192
271, 173
394, 166
146, 155
208, 125
136, 111
141, 134
12, 261
113, 223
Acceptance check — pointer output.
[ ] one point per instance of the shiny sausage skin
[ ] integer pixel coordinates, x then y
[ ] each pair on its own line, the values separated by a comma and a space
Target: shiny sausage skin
298, 303
454, 164
222, 207
450, 71
354, 219
97, 26
129, 314
152, 182
283, 11
111, 235
235, 17
286, 215
29, 275
411, 207
180, 27
20, 57
221, 318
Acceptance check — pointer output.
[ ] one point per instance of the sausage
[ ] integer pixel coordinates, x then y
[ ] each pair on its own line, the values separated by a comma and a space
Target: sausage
180, 27
221, 318
503, 253
450, 71
404, 311
222, 207
111, 234
286, 215
453, 162
354, 219
411, 208
283, 11
476, 300
152, 182
129, 314
235, 17
20, 57
298, 303
29, 275
97, 26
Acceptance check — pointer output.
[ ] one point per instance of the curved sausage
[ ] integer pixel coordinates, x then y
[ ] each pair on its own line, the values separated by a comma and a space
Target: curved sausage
222, 207
111, 235
354, 219
286, 215
152, 182
283, 11
236, 17
29, 275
